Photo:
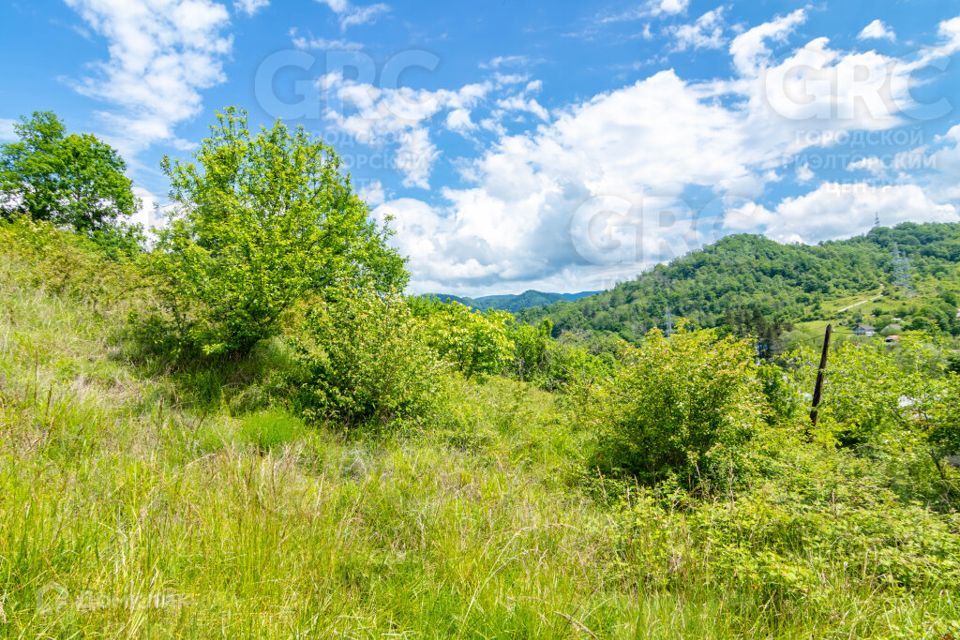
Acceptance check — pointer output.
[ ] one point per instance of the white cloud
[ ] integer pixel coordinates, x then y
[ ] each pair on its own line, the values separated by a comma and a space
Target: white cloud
749, 49
647, 9
876, 30
596, 191
837, 210
506, 61
672, 7
350, 15
163, 53
459, 120
871, 164
152, 214
400, 117
372, 193
705, 33
523, 104
7, 132
250, 7
306, 43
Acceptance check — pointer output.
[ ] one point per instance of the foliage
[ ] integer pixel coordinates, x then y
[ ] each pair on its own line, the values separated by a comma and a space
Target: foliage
486, 522
67, 264
361, 362
755, 286
514, 303
263, 221
474, 343
71, 180
682, 406
531, 349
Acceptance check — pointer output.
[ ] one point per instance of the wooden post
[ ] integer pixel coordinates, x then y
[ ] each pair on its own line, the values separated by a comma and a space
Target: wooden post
818, 390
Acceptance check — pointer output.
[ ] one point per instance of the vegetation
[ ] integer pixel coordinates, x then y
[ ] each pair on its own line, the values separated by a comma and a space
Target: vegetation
263, 222
755, 286
514, 303
72, 180
322, 456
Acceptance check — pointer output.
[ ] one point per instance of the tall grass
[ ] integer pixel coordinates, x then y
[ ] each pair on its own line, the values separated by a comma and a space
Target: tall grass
128, 512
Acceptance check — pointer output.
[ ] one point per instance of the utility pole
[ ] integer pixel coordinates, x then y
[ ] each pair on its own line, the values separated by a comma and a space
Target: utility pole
818, 389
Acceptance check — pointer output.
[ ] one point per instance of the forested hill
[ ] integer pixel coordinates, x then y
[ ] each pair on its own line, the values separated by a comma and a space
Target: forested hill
743, 278
514, 303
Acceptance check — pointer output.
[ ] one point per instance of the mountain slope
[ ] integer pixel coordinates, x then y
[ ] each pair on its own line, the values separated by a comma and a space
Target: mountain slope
744, 278
514, 303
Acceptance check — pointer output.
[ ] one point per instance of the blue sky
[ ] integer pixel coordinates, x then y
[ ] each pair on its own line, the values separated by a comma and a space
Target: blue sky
555, 145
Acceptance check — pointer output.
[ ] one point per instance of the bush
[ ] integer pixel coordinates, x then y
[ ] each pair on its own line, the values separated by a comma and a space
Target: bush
682, 406
474, 343
822, 523
361, 362
67, 264
265, 221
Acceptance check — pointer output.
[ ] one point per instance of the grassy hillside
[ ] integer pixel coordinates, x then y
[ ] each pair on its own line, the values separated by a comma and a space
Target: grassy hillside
743, 276
140, 500
514, 303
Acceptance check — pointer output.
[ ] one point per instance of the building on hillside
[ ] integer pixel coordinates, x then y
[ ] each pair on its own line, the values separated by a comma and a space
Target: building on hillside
891, 329
894, 339
864, 330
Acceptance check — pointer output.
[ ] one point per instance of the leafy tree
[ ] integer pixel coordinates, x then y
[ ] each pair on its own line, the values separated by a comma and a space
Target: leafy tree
262, 221
73, 180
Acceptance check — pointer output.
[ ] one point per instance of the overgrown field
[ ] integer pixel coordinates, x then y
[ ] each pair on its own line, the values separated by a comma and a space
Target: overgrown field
143, 501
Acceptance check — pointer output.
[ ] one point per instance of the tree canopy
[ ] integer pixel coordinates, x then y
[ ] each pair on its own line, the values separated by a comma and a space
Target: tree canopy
74, 179
263, 221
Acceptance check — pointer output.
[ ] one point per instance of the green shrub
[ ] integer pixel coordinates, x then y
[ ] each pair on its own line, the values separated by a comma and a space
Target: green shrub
361, 361
822, 524
67, 264
680, 406
265, 221
475, 343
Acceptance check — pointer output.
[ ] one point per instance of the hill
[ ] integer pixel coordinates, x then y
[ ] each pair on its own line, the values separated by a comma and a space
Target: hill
514, 303
753, 284
142, 497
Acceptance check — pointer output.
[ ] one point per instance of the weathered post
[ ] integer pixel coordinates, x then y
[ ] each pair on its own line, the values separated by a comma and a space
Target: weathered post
818, 389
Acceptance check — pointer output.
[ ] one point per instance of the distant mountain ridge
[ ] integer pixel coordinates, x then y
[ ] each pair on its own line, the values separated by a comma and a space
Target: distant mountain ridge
514, 303
742, 281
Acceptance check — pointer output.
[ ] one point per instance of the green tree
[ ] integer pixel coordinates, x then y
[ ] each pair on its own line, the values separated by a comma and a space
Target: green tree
262, 221
73, 180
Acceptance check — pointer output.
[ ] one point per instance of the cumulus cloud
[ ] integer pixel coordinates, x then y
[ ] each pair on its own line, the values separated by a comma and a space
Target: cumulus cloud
749, 49
876, 30
250, 7
599, 190
871, 164
704, 33
400, 117
162, 54
372, 193
838, 210
350, 15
